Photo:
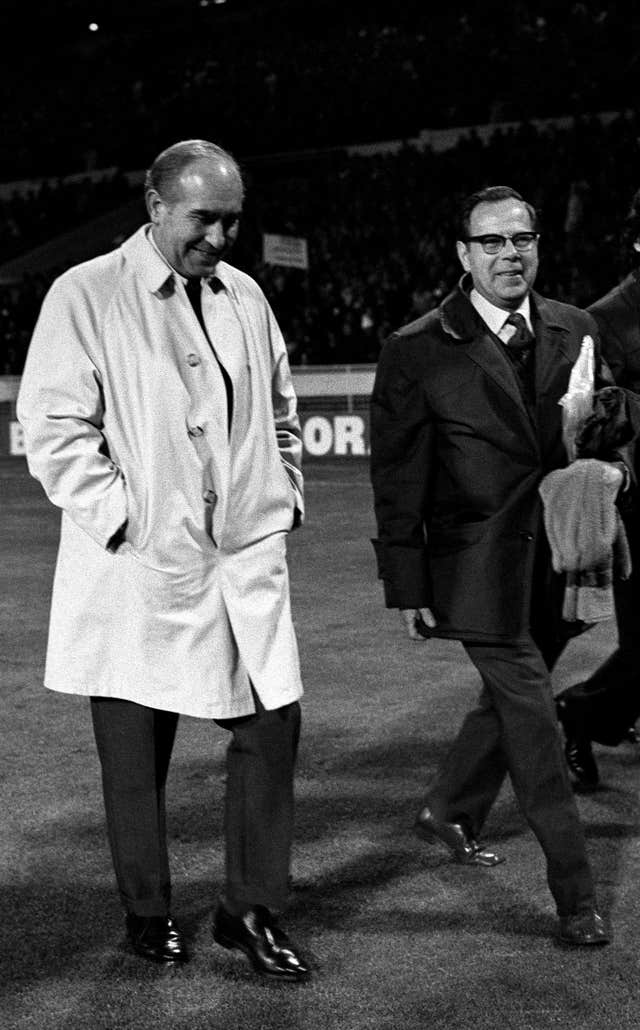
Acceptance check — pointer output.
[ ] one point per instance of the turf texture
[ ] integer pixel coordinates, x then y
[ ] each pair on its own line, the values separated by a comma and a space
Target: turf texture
399, 937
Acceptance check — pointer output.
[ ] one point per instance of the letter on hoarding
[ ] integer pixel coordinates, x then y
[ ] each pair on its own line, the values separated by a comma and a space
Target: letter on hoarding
349, 434
317, 436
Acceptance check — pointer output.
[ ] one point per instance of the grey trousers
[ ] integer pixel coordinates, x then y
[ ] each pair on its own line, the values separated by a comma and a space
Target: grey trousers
513, 730
134, 746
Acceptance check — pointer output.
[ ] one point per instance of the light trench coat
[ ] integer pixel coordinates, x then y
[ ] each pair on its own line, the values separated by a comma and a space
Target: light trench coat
124, 411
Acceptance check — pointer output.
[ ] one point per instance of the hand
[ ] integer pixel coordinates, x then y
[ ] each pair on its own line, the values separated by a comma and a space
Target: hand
618, 473
416, 620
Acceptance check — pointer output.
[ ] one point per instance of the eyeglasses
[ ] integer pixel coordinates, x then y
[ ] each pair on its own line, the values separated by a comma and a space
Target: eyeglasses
491, 243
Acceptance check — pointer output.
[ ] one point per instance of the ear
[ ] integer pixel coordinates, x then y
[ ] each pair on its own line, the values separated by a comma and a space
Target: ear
463, 254
636, 245
154, 204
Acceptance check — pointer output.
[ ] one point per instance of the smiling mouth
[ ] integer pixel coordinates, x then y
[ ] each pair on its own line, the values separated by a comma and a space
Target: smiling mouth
209, 255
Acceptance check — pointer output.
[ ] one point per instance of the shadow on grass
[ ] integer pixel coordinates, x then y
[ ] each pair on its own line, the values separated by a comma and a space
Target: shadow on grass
359, 868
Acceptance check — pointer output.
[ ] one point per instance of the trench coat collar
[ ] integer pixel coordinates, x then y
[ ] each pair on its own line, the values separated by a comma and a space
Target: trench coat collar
155, 271
551, 323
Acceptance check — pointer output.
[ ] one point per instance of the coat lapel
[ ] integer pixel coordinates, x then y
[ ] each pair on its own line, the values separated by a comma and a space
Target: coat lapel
556, 349
486, 351
460, 320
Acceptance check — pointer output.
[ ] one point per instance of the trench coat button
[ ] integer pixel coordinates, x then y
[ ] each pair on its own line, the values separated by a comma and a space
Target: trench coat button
210, 496
526, 535
193, 360
195, 431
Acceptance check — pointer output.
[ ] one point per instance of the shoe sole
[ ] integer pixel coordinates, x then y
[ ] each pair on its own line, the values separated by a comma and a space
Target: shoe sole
152, 956
568, 943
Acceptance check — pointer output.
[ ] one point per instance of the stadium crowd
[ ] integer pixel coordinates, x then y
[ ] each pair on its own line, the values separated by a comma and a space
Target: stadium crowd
42, 211
285, 76
377, 226
378, 230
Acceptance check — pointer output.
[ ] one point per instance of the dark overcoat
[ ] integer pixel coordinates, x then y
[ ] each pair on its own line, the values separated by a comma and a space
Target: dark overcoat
457, 458
617, 315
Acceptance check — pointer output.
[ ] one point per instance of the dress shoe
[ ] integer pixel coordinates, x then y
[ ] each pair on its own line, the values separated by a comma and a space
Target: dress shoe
463, 847
157, 938
584, 928
265, 944
632, 735
577, 749
582, 764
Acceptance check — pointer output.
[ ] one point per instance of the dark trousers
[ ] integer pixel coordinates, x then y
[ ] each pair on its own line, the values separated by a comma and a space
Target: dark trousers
135, 744
514, 730
607, 704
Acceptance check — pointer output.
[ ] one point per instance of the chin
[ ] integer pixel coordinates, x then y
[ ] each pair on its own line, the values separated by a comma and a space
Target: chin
199, 264
207, 268
517, 295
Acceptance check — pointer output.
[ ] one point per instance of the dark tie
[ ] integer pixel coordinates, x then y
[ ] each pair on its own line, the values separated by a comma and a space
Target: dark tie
520, 350
193, 288
522, 339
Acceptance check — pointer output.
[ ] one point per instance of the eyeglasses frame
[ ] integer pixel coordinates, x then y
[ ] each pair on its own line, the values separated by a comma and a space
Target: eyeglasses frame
521, 250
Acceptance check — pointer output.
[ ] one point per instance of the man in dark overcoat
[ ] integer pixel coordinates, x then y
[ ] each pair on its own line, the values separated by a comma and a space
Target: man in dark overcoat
465, 423
606, 706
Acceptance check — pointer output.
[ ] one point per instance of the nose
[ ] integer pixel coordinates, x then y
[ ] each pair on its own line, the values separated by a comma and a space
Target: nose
215, 235
509, 250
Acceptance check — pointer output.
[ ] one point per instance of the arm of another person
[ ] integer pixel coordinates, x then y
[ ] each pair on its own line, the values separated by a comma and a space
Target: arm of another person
618, 322
402, 441
61, 408
617, 366
615, 421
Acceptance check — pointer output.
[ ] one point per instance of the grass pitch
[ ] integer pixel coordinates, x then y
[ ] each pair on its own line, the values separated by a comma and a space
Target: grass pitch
399, 936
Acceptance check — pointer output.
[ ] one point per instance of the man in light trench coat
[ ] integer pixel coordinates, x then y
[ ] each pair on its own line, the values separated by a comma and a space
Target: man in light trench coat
159, 415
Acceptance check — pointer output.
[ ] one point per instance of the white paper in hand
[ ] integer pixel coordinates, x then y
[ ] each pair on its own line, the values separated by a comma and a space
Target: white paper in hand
577, 402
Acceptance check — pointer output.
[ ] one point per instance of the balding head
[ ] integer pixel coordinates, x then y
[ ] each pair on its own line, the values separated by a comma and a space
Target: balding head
166, 171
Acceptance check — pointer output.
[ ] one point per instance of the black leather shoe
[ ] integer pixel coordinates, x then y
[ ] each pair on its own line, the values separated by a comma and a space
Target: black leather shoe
584, 928
577, 749
581, 762
157, 938
632, 735
463, 847
258, 935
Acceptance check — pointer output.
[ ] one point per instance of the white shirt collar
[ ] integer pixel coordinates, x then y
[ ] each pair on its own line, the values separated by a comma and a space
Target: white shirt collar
496, 317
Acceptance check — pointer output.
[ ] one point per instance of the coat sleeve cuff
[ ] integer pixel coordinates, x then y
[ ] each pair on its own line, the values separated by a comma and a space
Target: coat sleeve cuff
404, 574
